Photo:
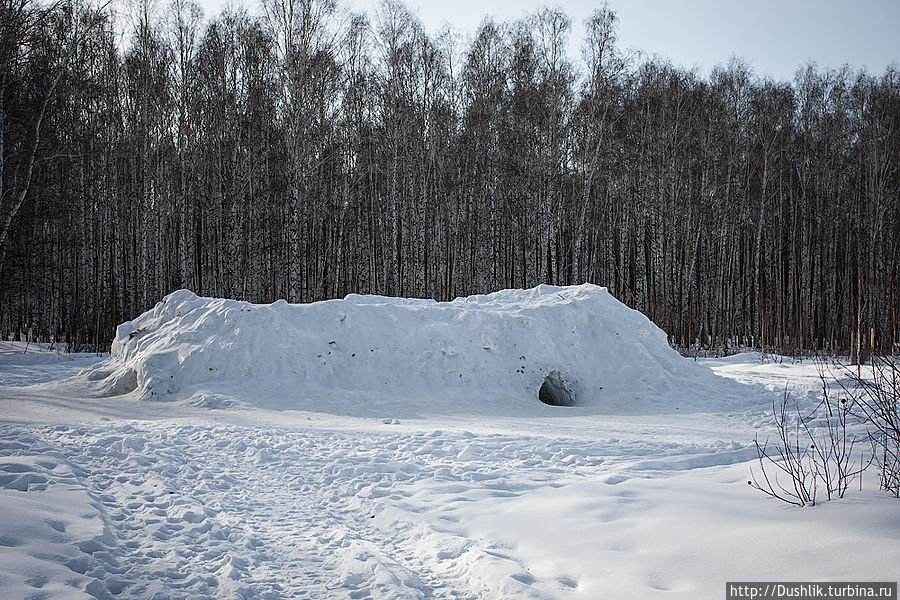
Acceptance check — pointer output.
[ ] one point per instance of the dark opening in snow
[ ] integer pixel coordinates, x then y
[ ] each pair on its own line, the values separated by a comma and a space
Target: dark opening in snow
554, 392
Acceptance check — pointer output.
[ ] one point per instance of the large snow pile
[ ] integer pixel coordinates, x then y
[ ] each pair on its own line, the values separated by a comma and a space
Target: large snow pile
488, 351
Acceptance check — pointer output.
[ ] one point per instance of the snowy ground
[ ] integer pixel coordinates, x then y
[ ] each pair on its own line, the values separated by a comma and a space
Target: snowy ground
124, 497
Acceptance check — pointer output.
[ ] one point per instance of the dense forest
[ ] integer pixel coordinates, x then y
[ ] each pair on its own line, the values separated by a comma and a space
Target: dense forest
295, 151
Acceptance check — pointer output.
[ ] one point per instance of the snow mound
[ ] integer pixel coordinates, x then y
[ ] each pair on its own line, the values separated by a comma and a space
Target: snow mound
492, 352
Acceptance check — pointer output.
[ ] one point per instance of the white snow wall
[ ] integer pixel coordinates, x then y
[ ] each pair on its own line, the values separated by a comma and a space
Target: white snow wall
498, 346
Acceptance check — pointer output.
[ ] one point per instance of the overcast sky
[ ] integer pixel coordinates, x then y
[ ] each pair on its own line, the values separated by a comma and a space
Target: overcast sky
774, 36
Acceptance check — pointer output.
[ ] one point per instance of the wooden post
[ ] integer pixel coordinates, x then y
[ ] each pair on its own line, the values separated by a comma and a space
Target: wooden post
872, 347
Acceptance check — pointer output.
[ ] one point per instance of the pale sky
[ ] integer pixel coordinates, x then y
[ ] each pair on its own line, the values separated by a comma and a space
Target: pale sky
775, 37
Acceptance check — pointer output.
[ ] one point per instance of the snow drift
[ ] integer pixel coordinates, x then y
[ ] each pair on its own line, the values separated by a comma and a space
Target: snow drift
492, 352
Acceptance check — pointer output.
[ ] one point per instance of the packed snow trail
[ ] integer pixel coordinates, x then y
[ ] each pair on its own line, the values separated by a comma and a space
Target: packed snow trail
236, 511
191, 508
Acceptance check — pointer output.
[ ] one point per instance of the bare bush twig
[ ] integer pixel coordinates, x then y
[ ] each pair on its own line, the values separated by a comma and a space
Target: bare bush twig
788, 459
812, 450
877, 401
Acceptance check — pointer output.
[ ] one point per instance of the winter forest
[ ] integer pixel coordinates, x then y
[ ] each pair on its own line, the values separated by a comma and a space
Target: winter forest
294, 150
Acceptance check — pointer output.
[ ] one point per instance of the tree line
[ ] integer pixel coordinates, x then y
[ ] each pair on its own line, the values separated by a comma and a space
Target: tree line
300, 152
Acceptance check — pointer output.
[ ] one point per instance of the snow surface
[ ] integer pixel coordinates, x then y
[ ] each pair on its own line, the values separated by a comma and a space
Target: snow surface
456, 492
